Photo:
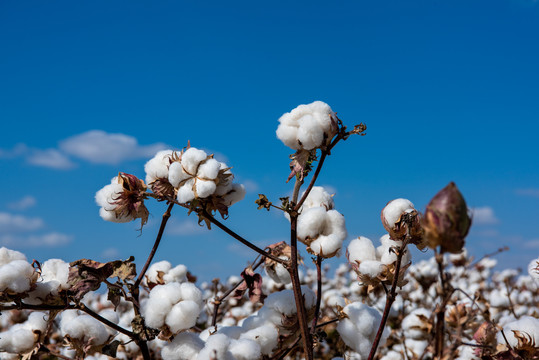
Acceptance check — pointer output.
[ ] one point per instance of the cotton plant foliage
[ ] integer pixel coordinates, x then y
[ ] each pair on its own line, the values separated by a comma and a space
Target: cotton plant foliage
377, 303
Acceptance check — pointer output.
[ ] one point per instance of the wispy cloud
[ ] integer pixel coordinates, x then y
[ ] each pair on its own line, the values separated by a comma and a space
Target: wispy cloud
530, 192
484, 216
10, 223
50, 158
23, 204
110, 253
531, 244
95, 146
46, 240
100, 147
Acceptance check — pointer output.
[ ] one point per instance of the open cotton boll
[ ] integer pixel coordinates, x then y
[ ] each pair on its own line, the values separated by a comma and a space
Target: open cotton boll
7, 256
526, 325
157, 270
182, 316
394, 209
413, 325
184, 346
113, 317
106, 198
244, 349
533, 269
176, 174
359, 328
361, 249
57, 270
83, 327
21, 338
16, 276
157, 167
305, 126
371, 268
278, 272
318, 197
311, 223
235, 194
216, 347
204, 188
209, 169
266, 335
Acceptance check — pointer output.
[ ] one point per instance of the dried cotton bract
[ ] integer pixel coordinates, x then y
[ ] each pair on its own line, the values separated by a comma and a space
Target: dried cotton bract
308, 126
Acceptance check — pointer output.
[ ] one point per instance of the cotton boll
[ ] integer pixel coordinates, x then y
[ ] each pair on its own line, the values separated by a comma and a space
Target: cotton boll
186, 191
371, 268
107, 198
361, 249
288, 133
394, 209
310, 133
235, 194
413, 325
359, 329
56, 269
333, 298
182, 316
16, 276
113, 317
161, 267
533, 269
311, 223
279, 273
184, 346
318, 197
177, 274
526, 325
191, 159
244, 349
7, 255
191, 292
266, 335
84, 328
17, 341
216, 348
155, 311
157, 167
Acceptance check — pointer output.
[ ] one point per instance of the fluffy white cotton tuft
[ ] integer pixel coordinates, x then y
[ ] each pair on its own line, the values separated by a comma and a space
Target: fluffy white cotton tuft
83, 327
184, 346
533, 269
322, 230
157, 167
526, 325
415, 324
106, 198
21, 338
307, 126
361, 249
16, 276
394, 209
359, 329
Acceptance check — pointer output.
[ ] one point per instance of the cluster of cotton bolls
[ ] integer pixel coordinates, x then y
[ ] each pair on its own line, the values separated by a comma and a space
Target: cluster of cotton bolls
320, 226
180, 310
16, 274
308, 126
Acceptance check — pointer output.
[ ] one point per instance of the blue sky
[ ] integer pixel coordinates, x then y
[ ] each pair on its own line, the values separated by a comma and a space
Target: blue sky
448, 90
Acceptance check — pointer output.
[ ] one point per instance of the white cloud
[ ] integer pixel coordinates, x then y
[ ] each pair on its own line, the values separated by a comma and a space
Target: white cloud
100, 147
250, 185
184, 228
18, 223
110, 253
484, 216
23, 204
46, 240
50, 158
17, 150
531, 244
531, 192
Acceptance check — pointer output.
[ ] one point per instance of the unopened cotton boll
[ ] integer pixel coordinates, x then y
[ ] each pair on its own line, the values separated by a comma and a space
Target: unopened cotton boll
184, 346
359, 328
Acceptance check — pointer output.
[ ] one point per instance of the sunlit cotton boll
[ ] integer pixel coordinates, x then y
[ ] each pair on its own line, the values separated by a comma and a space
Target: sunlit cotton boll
7, 256
21, 338
216, 347
305, 126
526, 325
414, 325
83, 327
17, 276
323, 231
163, 272
157, 167
361, 249
533, 269
106, 198
173, 304
359, 329
184, 346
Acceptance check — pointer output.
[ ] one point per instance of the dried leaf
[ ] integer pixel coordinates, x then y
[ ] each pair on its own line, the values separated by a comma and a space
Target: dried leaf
253, 283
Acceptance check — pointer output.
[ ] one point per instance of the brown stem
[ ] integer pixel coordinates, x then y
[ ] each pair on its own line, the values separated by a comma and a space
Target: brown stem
296, 285
390, 298
219, 300
166, 216
318, 263
240, 239
439, 328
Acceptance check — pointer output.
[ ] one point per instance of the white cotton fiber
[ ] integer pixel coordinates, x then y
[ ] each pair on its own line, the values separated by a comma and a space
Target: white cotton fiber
235, 194
204, 188
7, 255
176, 174
244, 349
186, 192
83, 327
394, 209
216, 347
526, 325
106, 198
413, 326
209, 169
55, 270
191, 159
157, 167
319, 197
533, 269
361, 249
359, 329
182, 316
16, 276
184, 346
371, 268
266, 335
311, 222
